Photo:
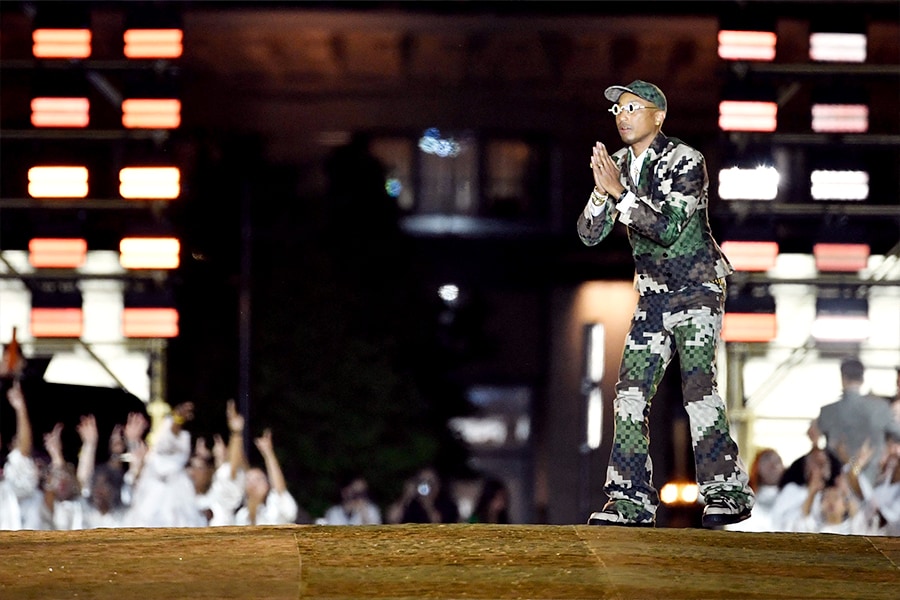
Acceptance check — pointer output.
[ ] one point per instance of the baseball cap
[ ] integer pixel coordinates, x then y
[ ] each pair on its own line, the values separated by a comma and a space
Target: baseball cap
641, 89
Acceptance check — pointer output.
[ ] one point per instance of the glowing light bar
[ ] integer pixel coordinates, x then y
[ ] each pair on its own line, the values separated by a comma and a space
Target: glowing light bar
60, 112
839, 185
153, 43
679, 493
149, 322
841, 328
841, 257
840, 118
737, 115
149, 253
837, 47
841, 320
751, 256
152, 183
747, 45
749, 327
61, 43
59, 253
760, 183
56, 322
151, 113
58, 182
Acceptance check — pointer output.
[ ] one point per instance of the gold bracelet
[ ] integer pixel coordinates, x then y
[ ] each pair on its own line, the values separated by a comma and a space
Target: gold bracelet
597, 199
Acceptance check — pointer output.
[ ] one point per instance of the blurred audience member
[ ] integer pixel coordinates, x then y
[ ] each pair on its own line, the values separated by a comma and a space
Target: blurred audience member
19, 478
101, 485
356, 508
267, 499
163, 494
219, 482
817, 468
104, 502
426, 500
855, 418
882, 497
765, 475
64, 506
132, 461
493, 503
829, 509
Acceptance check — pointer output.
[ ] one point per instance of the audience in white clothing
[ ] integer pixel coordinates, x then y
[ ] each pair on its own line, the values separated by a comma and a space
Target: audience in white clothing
267, 500
765, 475
355, 508
19, 478
219, 475
163, 493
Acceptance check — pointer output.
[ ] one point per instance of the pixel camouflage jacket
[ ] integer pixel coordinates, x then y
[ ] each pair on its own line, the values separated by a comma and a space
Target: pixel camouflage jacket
666, 216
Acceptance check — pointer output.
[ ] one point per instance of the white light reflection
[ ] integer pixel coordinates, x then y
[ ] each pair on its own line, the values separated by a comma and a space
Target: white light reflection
432, 143
760, 183
449, 293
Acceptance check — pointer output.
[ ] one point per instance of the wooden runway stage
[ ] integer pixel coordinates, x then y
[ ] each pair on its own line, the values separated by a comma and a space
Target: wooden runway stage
450, 561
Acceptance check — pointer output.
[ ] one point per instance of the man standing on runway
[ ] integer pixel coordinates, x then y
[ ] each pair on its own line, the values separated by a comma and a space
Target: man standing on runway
658, 187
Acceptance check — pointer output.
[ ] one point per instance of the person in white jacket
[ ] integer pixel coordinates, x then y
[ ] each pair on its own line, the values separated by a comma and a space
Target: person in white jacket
163, 493
268, 501
219, 476
19, 478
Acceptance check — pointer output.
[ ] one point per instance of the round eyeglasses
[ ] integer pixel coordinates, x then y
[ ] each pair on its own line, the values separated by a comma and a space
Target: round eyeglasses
628, 108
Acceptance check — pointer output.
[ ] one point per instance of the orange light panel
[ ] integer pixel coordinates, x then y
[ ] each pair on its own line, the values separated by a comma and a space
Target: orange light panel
751, 256
747, 45
56, 322
737, 115
60, 112
149, 322
61, 43
58, 182
150, 183
153, 43
58, 253
149, 253
749, 327
841, 257
151, 113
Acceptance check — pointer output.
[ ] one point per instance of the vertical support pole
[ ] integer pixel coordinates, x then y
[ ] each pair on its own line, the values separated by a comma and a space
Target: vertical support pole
244, 306
735, 352
591, 413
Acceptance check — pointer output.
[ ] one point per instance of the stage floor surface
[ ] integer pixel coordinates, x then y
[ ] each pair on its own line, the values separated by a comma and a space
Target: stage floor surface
444, 561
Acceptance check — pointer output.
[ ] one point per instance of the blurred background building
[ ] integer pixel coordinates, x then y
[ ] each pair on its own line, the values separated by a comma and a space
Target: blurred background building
198, 200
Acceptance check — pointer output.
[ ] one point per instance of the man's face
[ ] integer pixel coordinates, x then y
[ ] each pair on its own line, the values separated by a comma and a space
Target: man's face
638, 129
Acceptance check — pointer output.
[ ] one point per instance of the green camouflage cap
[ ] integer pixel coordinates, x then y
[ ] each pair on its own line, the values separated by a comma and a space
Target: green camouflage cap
639, 88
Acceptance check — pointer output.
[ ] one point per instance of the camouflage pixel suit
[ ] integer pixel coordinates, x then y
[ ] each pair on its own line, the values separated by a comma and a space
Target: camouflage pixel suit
680, 278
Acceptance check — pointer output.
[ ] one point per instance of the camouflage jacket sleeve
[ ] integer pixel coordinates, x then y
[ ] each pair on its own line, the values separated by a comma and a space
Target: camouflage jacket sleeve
596, 221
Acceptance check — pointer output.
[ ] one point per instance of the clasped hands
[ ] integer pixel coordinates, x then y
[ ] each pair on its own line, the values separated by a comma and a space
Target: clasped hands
606, 172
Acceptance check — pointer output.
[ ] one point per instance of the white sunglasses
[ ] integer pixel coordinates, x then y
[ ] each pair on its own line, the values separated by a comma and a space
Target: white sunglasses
629, 108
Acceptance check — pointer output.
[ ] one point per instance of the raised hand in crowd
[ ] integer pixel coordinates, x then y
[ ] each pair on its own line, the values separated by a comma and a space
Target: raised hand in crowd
87, 454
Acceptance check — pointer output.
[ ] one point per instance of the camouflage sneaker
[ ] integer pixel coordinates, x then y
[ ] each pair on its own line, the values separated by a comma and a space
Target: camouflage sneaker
623, 513
724, 509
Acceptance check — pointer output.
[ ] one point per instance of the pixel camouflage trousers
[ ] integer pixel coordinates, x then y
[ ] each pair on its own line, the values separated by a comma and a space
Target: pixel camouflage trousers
688, 322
